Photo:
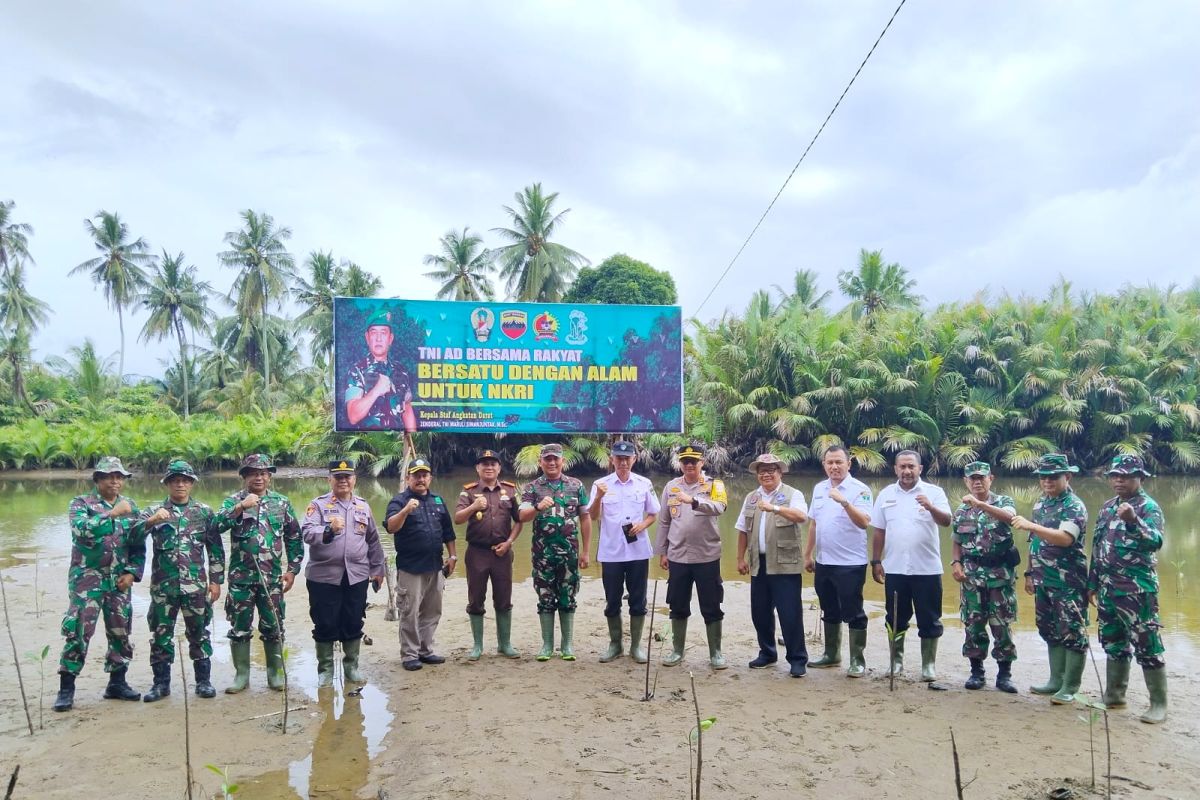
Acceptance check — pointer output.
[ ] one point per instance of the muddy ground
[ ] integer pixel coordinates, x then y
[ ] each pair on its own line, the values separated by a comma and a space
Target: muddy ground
508, 729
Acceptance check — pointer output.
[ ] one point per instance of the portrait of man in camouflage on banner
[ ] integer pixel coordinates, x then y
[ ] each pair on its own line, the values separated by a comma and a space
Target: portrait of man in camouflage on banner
378, 391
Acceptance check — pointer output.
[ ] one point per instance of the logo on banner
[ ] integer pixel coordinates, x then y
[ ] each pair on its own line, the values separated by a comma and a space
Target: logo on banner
514, 323
545, 327
482, 322
578, 325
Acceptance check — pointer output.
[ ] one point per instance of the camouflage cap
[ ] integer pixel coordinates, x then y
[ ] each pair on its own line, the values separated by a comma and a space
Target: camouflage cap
419, 465
768, 460
1128, 465
342, 466
551, 449
1053, 464
487, 455
382, 317
108, 465
256, 461
179, 467
622, 449
977, 468
690, 451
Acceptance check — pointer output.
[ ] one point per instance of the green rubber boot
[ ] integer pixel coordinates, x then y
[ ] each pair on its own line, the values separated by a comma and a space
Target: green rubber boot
476, 637
637, 647
1073, 664
833, 647
929, 660
678, 642
239, 653
547, 623
274, 653
713, 631
566, 622
1116, 682
858, 661
504, 635
1156, 682
324, 665
350, 650
898, 655
615, 648
1056, 654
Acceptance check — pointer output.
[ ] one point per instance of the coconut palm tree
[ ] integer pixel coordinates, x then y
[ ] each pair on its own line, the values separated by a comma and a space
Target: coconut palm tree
803, 295
88, 372
174, 298
14, 238
463, 268
535, 268
354, 281
876, 286
316, 292
265, 270
119, 269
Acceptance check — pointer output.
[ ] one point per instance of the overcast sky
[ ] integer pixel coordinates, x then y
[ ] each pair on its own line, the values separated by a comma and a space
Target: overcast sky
985, 146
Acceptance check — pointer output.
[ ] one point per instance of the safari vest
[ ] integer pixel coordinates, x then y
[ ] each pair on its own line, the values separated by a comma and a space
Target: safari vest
784, 542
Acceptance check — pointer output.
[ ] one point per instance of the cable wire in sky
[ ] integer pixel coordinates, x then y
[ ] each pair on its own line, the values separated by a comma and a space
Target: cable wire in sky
801, 161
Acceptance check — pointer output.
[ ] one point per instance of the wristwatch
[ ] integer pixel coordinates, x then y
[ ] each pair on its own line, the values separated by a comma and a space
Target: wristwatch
875, 562
955, 561
695, 503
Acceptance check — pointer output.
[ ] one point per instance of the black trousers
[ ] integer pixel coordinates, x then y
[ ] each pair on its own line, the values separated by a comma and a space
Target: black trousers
337, 610
707, 578
621, 576
922, 593
840, 590
778, 594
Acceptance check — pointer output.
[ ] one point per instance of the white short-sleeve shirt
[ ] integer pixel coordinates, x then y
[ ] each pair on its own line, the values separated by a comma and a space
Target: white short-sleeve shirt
630, 501
912, 544
839, 541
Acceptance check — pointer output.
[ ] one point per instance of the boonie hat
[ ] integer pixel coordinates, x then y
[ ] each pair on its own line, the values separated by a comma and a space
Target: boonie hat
1128, 465
768, 460
179, 467
1054, 464
108, 465
256, 461
977, 468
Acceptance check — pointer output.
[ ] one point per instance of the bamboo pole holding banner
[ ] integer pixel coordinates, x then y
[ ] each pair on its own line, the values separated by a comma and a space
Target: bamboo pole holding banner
409, 452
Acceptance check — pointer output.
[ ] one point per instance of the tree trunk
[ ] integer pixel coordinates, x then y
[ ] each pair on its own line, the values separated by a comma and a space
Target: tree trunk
183, 363
262, 339
121, 367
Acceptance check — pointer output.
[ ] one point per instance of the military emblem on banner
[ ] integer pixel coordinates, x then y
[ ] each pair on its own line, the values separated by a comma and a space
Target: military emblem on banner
545, 327
482, 322
576, 336
514, 323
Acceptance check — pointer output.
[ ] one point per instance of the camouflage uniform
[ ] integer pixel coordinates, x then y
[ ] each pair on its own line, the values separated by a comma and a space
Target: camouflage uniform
258, 540
102, 550
555, 546
988, 595
388, 410
1059, 574
1124, 579
178, 581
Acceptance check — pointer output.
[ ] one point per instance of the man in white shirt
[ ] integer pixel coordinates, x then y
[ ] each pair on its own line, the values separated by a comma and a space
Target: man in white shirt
769, 528
625, 505
906, 558
836, 553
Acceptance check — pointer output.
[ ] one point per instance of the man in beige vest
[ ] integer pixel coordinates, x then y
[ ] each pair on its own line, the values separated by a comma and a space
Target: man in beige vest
769, 529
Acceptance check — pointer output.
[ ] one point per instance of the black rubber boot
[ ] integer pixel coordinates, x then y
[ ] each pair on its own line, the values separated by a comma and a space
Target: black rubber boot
162, 682
118, 689
976, 680
1004, 677
66, 692
203, 670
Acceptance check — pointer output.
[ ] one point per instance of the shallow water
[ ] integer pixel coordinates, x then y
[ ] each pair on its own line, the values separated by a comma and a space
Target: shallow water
33, 528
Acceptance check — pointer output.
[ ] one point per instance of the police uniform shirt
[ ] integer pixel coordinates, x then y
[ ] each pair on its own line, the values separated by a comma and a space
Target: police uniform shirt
911, 545
839, 541
689, 535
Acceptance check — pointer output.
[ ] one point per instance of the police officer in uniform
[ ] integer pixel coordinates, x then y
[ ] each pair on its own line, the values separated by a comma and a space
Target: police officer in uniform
378, 390
489, 508
689, 548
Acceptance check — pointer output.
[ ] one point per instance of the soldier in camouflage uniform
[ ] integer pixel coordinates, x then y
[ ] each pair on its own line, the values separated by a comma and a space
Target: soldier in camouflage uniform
1123, 585
104, 564
181, 532
378, 390
1057, 576
263, 532
555, 503
985, 568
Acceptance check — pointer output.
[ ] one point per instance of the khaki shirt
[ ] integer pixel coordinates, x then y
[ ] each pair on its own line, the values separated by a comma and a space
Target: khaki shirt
689, 535
784, 552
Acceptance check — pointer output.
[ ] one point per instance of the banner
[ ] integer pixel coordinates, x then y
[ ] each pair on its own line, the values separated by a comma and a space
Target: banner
457, 367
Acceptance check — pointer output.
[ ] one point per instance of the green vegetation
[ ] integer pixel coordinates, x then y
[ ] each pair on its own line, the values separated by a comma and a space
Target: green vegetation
1003, 379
